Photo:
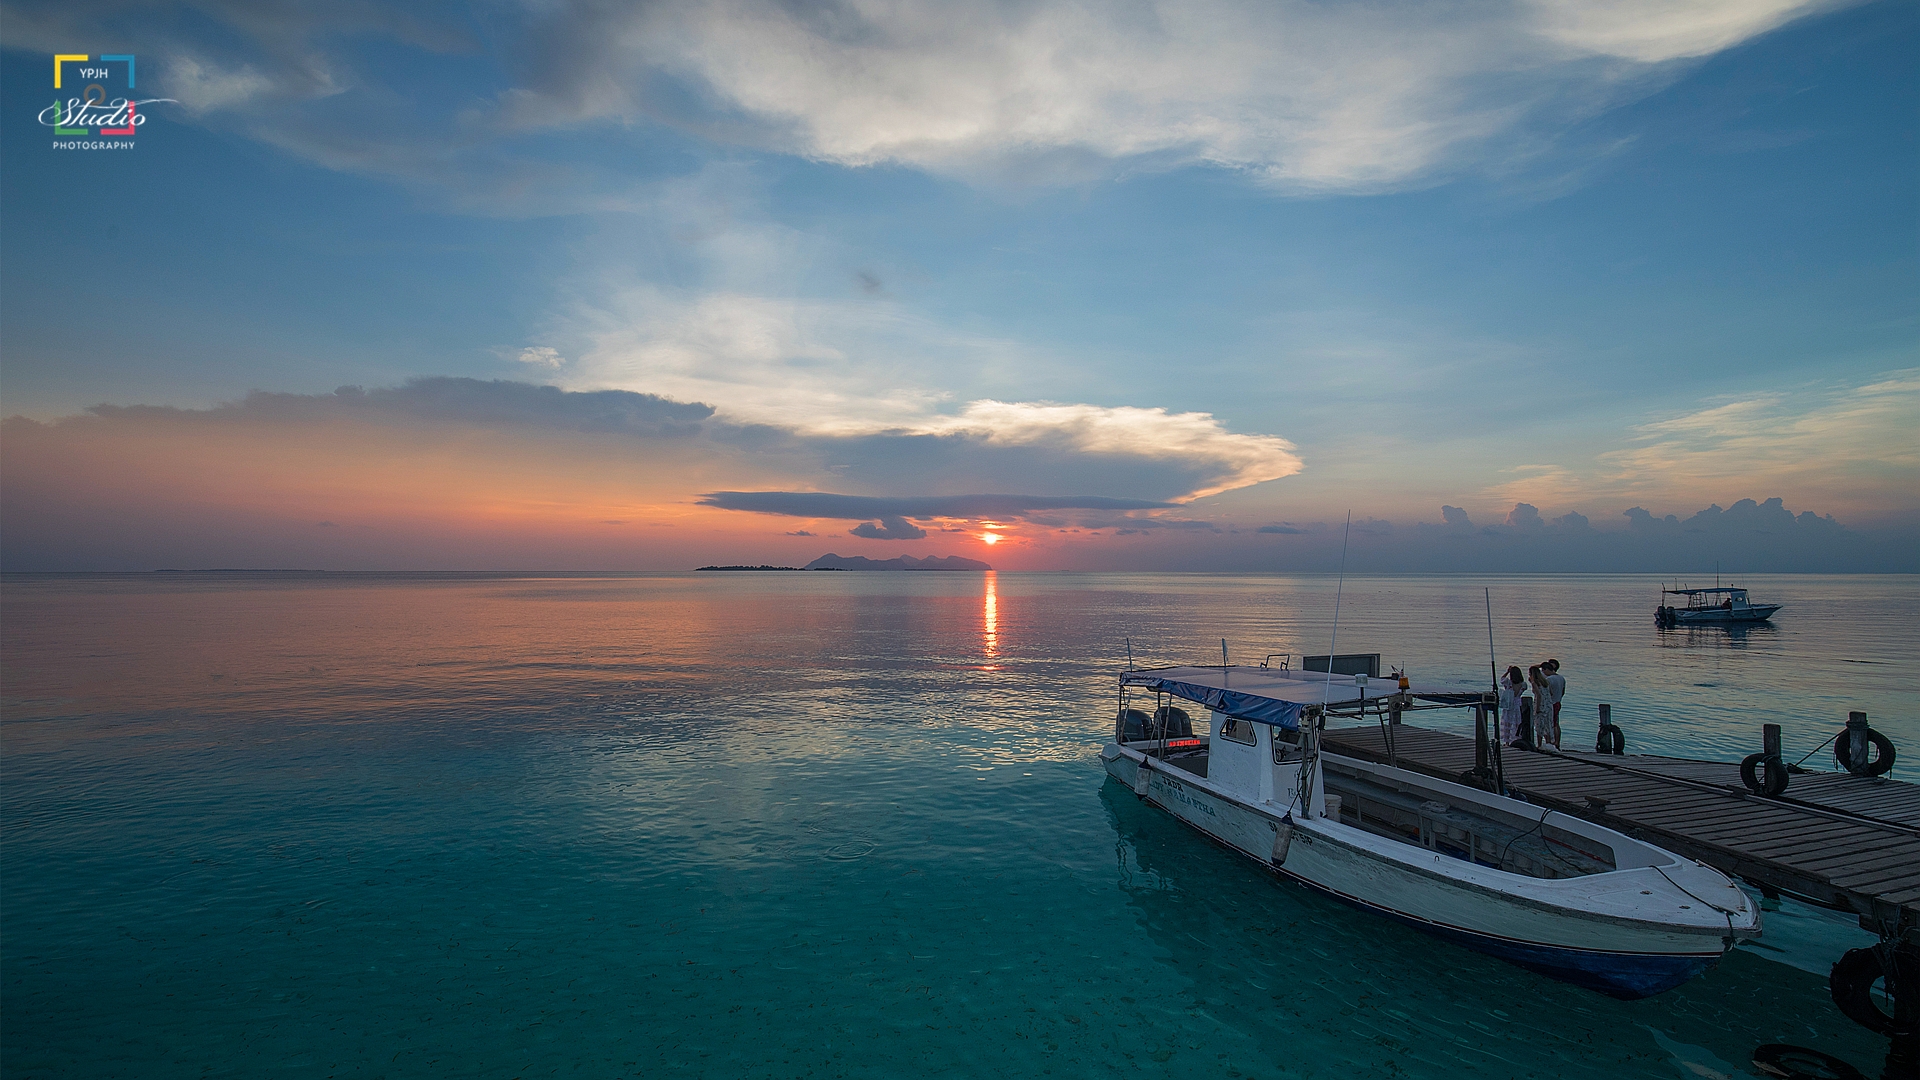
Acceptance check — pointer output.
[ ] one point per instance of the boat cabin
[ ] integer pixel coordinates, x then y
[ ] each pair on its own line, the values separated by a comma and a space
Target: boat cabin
1728, 599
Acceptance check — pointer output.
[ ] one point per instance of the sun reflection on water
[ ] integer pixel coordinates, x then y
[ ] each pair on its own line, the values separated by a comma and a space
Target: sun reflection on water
990, 618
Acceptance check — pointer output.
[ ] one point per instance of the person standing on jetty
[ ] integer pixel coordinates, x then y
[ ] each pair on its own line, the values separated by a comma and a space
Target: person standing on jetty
1557, 687
1545, 731
1510, 708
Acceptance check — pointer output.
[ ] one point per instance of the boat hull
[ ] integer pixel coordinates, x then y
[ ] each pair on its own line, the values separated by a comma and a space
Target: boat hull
1721, 617
1620, 958
1628, 976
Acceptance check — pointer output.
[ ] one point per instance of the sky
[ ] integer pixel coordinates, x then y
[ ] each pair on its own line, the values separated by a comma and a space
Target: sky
1528, 285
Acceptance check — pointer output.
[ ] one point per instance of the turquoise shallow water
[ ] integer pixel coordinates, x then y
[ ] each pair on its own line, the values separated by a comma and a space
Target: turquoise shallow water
792, 825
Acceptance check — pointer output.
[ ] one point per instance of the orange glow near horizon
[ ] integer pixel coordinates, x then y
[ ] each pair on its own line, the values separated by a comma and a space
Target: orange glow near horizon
989, 538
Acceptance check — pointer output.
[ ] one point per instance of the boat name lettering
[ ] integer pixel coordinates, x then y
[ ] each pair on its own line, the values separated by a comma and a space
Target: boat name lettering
1179, 794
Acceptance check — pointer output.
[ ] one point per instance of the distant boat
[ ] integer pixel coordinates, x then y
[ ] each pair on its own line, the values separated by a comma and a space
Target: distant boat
1711, 607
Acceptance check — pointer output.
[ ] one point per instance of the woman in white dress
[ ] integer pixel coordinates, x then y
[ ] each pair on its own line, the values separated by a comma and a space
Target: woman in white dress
1510, 707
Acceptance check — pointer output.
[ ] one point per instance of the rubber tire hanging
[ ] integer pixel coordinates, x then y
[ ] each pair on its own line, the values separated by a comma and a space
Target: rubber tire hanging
1773, 783
1851, 983
1611, 741
1875, 766
1802, 1063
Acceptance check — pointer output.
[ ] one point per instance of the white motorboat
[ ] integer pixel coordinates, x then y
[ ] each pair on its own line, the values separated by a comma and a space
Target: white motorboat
1711, 607
1543, 889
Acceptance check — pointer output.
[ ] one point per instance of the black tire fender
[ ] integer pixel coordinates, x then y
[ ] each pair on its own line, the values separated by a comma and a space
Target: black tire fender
1611, 741
1851, 984
1801, 1063
1875, 766
1774, 780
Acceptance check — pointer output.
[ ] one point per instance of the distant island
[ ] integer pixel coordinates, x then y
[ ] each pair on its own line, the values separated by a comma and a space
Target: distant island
795, 569
831, 561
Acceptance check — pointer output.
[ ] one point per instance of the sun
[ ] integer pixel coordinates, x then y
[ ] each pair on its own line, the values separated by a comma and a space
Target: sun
989, 538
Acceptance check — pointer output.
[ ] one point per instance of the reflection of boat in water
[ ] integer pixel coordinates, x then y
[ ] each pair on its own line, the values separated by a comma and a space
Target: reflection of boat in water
1711, 607
1547, 891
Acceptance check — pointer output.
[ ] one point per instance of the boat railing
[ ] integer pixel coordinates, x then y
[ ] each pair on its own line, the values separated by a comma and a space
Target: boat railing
1286, 661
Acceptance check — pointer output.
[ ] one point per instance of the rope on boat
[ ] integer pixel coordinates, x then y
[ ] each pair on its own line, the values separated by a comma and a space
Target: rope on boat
1727, 913
1501, 864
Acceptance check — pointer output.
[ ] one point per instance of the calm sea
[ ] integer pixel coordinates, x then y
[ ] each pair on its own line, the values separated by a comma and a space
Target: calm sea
782, 825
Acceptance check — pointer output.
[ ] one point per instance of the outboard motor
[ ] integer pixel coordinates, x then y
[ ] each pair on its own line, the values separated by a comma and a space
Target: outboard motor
1178, 725
1132, 725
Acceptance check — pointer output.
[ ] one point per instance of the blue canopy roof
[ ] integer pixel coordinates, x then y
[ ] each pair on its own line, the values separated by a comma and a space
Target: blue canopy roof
1273, 696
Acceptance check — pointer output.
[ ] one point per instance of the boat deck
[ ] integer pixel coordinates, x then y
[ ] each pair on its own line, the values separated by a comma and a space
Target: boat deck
1408, 816
1842, 841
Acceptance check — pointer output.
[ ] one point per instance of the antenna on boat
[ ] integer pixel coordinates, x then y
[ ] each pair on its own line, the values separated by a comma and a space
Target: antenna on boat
1333, 649
1129, 654
1310, 763
1493, 668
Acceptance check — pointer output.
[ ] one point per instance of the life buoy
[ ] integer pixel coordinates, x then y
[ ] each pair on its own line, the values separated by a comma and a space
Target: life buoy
1611, 741
1773, 783
1851, 983
1800, 1063
1873, 766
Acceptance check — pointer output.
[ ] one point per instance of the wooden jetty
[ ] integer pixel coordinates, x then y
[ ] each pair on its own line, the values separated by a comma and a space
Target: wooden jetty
1840, 841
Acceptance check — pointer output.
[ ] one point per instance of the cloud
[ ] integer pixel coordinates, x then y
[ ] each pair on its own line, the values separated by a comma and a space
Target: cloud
226, 55
1847, 446
1653, 31
1850, 444
201, 87
1236, 460
1300, 97
1550, 485
453, 399
821, 504
1287, 530
830, 367
1747, 537
891, 528
1456, 517
1816, 427
1305, 97
846, 369
541, 356
1141, 524
1525, 516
